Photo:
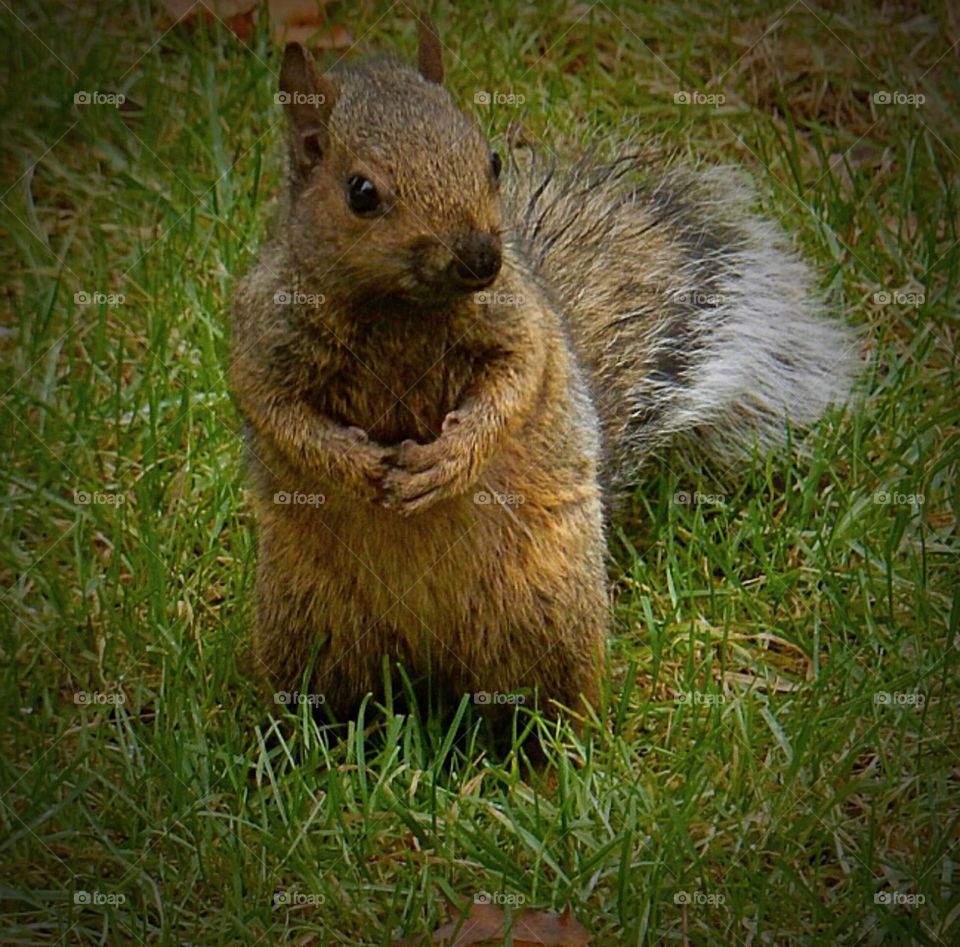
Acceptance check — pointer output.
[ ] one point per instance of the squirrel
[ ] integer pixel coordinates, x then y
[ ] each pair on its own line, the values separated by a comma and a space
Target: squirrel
449, 366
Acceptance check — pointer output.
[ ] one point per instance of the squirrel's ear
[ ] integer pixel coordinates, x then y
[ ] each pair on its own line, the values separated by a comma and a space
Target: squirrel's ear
429, 58
308, 98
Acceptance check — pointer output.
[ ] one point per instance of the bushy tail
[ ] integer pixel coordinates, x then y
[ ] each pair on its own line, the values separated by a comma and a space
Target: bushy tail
690, 314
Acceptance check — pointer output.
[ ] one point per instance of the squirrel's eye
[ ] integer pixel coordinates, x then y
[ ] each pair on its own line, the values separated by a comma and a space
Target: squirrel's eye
362, 195
495, 164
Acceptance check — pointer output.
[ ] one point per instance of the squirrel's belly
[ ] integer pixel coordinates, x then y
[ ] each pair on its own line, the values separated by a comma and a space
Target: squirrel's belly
461, 573
390, 556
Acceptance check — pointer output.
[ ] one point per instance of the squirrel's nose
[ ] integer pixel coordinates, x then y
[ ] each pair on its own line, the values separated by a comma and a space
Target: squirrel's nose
476, 260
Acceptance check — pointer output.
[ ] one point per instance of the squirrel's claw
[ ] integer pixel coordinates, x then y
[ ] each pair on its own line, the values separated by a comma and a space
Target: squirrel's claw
421, 475
409, 491
416, 458
416, 505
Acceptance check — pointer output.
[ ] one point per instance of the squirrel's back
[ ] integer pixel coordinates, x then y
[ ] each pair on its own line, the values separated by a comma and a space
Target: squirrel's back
689, 314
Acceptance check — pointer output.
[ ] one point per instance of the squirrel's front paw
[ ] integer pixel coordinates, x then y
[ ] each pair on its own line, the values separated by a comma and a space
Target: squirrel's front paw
421, 475
363, 463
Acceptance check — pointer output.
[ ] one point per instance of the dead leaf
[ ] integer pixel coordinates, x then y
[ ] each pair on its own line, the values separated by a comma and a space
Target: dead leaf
301, 21
485, 924
940, 519
549, 928
188, 10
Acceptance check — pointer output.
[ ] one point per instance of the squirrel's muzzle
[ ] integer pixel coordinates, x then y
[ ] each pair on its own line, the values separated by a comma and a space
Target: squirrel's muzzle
476, 260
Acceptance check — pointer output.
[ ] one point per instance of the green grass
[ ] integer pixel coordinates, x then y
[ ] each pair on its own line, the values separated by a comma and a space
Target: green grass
752, 763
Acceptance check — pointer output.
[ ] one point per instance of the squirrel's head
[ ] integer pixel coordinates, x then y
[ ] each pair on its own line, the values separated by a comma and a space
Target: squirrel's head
393, 181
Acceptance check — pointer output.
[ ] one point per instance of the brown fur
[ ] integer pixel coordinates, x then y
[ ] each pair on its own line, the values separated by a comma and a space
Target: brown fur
399, 398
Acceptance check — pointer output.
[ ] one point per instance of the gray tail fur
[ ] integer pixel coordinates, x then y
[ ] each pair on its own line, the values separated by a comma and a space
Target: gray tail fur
690, 314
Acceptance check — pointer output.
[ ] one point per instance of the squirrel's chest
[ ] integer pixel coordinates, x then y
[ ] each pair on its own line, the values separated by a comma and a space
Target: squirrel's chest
395, 391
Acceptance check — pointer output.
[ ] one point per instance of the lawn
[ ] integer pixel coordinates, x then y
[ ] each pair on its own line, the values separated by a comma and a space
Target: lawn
780, 762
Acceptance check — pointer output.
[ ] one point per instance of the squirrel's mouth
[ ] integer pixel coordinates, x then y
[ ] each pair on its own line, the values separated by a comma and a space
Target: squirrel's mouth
467, 280
476, 261
472, 263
